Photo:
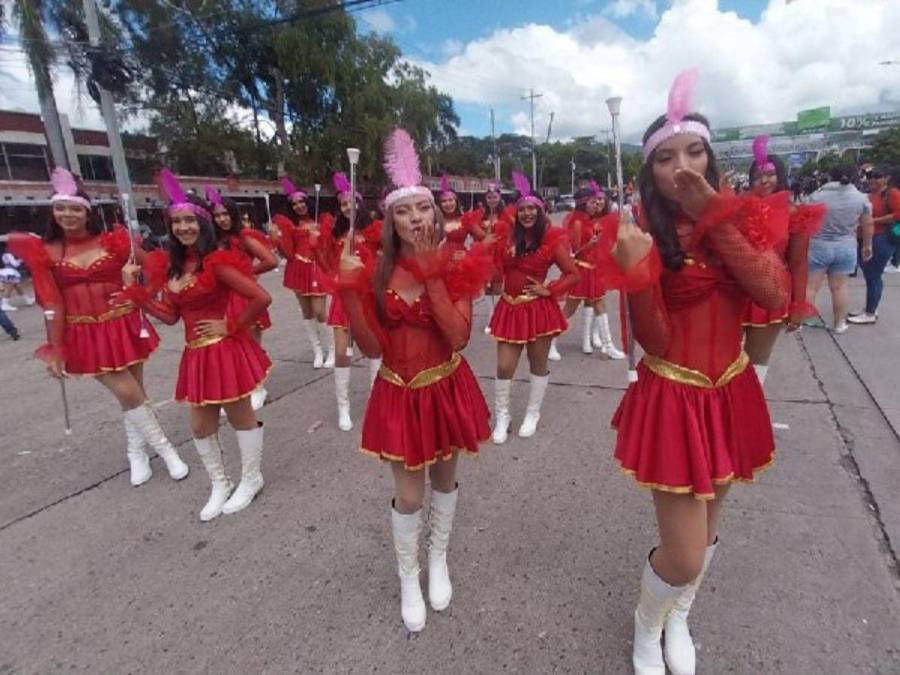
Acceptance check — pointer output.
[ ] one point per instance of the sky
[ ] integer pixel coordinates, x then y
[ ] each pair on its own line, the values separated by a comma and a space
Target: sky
760, 60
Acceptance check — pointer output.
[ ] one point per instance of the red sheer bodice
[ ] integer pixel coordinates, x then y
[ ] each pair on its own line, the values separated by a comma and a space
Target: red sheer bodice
520, 271
255, 247
456, 231
300, 240
328, 248
692, 317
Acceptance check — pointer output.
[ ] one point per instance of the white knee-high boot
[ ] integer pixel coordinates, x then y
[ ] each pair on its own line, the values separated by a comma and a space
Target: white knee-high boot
138, 459
440, 522
554, 354
210, 452
250, 442
607, 346
312, 332
655, 603
761, 372
342, 393
329, 360
535, 400
406, 528
144, 420
588, 317
681, 657
501, 410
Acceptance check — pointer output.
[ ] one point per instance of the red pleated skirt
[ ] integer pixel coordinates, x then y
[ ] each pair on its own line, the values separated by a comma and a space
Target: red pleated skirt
526, 321
420, 426
589, 287
337, 316
680, 438
237, 303
302, 277
222, 372
754, 315
108, 346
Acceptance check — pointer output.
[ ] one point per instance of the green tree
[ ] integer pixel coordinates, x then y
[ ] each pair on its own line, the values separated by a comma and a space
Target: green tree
886, 147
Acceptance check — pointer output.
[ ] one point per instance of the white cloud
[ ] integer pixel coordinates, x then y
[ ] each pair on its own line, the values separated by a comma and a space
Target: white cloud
622, 9
451, 47
801, 54
379, 20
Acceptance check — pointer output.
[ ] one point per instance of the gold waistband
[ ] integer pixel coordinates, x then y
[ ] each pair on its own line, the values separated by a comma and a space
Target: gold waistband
584, 263
518, 299
425, 377
302, 258
114, 313
694, 378
205, 341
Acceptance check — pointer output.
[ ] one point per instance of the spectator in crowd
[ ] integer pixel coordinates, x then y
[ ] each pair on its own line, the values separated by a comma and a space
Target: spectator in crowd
885, 201
11, 282
7, 325
832, 251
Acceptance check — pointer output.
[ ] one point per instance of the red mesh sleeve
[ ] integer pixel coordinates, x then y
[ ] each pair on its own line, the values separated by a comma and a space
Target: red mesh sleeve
246, 286
557, 241
163, 309
286, 238
367, 331
650, 320
258, 245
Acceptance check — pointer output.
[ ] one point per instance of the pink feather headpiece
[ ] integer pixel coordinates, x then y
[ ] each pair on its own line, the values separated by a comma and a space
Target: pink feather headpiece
65, 188
598, 191
681, 104
291, 190
402, 166
446, 190
171, 190
494, 186
342, 185
213, 196
524, 187
761, 154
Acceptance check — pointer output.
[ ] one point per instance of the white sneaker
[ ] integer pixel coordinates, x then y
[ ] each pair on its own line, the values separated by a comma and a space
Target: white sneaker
863, 319
6, 306
554, 354
841, 328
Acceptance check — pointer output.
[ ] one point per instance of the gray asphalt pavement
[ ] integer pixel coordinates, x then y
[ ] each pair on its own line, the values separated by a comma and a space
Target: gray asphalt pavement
548, 545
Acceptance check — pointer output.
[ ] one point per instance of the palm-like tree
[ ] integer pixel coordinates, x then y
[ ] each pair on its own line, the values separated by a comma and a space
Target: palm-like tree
29, 15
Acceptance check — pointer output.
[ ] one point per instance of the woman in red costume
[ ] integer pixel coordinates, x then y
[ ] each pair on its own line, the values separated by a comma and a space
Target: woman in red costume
457, 226
253, 245
761, 326
494, 218
77, 272
591, 225
222, 364
528, 314
426, 406
696, 419
296, 237
329, 248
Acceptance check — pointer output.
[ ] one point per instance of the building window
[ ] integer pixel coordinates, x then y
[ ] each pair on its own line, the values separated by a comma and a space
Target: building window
20, 161
95, 167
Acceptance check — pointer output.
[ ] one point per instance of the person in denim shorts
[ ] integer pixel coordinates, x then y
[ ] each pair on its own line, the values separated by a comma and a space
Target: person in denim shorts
832, 251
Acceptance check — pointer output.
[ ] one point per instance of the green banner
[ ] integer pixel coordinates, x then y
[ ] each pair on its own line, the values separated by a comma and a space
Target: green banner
814, 118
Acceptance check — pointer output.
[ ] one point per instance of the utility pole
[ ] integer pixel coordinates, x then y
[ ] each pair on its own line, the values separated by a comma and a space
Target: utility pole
608, 131
496, 155
544, 158
573, 175
107, 108
531, 96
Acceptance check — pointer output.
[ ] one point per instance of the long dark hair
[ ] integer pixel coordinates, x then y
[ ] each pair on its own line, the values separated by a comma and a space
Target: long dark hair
236, 225
390, 247
342, 222
53, 232
780, 172
206, 240
659, 212
501, 205
539, 227
295, 219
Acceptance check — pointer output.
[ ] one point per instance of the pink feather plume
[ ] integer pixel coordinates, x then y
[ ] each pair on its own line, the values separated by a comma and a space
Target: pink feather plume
341, 184
445, 183
681, 95
171, 188
596, 188
63, 182
400, 159
213, 196
761, 151
288, 186
521, 183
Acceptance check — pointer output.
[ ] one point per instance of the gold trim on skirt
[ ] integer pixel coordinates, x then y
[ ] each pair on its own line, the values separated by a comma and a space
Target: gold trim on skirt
694, 378
114, 313
518, 299
205, 341
423, 378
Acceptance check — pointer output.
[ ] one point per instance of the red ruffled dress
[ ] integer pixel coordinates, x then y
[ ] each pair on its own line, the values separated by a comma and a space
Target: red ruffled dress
587, 234
425, 404
218, 369
804, 221
521, 318
297, 244
329, 249
697, 417
257, 249
91, 335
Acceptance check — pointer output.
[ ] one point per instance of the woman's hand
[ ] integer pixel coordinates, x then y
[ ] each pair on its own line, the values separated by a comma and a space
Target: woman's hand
632, 244
537, 288
867, 252
130, 273
350, 262
426, 241
692, 192
212, 328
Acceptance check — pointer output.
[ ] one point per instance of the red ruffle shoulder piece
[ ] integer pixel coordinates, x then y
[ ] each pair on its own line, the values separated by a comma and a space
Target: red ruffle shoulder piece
639, 278
372, 233
807, 218
239, 261
464, 273
33, 251
284, 225
609, 229
510, 213
553, 237
473, 217
117, 242
251, 233
763, 221
155, 270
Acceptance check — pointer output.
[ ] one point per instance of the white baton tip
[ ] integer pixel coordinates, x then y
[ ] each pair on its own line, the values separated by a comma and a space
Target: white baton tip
632, 376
